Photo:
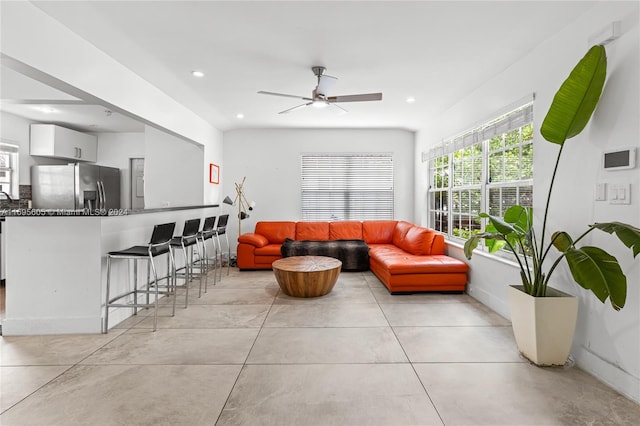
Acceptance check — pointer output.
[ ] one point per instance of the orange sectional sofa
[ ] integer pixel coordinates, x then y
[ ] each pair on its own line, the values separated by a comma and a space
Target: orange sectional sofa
405, 257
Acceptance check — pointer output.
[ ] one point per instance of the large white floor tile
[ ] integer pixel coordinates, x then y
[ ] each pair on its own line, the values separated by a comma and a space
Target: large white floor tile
127, 395
177, 346
522, 394
360, 394
51, 349
459, 344
325, 315
441, 314
326, 345
212, 316
19, 382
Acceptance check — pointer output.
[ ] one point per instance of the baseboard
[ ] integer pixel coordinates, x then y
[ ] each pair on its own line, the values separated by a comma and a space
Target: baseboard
498, 305
31, 326
608, 373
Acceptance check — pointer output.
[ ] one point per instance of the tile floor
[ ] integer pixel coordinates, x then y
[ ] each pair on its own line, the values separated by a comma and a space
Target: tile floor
246, 354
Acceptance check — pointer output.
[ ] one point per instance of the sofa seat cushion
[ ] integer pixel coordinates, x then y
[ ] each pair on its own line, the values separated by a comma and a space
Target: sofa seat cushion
268, 250
400, 262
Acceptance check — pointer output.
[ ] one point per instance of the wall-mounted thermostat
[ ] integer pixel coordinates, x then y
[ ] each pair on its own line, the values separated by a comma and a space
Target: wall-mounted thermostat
619, 159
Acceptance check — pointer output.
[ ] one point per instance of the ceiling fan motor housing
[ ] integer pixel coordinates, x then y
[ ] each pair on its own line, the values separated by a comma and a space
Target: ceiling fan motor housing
318, 70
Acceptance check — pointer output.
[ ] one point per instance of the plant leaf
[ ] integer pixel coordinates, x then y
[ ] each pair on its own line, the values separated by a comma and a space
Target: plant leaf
520, 217
501, 225
598, 271
562, 241
472, 242
577, 98
629, 235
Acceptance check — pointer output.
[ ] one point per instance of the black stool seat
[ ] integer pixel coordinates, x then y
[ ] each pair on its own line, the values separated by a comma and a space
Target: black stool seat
140, 251
185, 240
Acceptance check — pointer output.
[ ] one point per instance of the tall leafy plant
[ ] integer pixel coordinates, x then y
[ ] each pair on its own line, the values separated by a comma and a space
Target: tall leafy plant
591, 267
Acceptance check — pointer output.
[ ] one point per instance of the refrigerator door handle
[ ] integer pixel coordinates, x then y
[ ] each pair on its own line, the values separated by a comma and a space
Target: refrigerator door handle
100, 200
104, 196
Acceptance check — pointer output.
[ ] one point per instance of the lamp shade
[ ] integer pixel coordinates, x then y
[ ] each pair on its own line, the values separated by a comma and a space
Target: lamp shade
227, 200
243, 215
252, 204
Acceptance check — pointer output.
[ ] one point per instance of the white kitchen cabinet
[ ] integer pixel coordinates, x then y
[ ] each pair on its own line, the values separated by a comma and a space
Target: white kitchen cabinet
50, 140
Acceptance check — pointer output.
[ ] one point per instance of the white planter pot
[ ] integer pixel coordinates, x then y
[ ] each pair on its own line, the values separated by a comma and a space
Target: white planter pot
543, 326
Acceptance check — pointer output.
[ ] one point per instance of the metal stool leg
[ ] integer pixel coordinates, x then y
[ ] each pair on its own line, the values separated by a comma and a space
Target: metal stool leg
105, 327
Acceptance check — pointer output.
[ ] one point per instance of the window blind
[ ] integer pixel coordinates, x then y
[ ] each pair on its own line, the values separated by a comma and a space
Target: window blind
347, 187
503, 124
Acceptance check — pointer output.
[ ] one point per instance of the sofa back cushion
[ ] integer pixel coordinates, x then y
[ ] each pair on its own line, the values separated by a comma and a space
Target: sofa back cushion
400, 233
318, 231
418, 240
345, 230
276, 232
378, 231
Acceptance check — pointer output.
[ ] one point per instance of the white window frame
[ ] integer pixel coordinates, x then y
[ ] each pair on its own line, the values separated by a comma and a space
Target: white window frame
514, 118
331, 191
12, 186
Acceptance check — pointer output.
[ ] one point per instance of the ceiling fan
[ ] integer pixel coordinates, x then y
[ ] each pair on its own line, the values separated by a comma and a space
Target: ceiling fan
320, 96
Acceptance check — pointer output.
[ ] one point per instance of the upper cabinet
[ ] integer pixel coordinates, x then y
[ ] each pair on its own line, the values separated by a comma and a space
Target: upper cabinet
50, 140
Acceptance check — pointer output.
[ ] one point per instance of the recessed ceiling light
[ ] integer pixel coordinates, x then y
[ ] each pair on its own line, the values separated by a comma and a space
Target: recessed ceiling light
240, 116
411, 100
196, 73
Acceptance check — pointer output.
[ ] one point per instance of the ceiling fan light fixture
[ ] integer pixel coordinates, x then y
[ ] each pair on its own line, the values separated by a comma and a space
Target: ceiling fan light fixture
320, 104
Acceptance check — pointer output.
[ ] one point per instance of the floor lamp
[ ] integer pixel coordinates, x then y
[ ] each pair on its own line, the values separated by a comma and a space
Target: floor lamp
243, 205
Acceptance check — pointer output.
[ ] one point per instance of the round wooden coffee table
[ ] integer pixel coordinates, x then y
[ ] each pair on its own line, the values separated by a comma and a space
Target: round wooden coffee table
306, 276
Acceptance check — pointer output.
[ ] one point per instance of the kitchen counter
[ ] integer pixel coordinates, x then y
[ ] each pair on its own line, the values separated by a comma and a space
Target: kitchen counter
87, 212
56, 266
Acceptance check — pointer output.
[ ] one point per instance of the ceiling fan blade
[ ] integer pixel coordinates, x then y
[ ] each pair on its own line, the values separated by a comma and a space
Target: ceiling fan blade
325, 84
337, 108
283, 95
356, 98
286, 111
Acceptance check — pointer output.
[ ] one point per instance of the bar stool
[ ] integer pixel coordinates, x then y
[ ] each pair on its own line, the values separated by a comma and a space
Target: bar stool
206, 234
158, 245
221, 229
188, 240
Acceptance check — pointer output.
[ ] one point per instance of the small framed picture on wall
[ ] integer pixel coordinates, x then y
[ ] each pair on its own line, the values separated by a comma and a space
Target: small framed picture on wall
214, 173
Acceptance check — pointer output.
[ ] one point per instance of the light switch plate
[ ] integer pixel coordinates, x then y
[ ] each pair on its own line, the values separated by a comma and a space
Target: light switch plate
601, 191
619, 193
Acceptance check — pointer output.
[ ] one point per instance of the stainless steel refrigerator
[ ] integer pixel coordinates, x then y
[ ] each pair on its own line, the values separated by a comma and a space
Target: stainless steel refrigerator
75, 186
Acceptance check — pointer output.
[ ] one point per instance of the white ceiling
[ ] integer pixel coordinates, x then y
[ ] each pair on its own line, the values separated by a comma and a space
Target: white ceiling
435, 51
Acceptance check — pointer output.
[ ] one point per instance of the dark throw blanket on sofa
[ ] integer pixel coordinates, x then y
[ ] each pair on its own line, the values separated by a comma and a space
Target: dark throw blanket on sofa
354, 254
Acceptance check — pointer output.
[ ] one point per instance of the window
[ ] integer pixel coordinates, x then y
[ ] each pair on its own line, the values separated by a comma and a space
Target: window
9, 170
347, 186
489, 168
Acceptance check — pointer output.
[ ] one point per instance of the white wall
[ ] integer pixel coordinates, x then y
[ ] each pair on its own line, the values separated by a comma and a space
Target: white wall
115, 150
606, 343
212, 193
270, 159
14, 129
172, 171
